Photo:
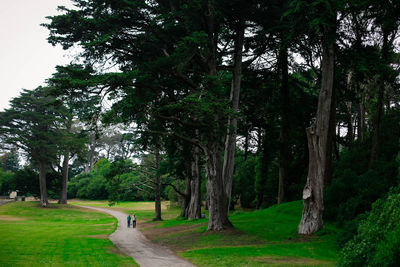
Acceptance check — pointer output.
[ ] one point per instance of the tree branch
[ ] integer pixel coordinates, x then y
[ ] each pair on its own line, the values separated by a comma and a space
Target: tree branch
176, 190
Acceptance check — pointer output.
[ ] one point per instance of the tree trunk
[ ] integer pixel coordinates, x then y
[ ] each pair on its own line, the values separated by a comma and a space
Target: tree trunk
379, 104
336, 147
262, 179
230, 141
64, 189
329, 151
194, 211
246, 145
216, 189
259, 140
91, 153
186, 198
284, 129
44, 202
218, 205
350, 134
320, 141
157, 189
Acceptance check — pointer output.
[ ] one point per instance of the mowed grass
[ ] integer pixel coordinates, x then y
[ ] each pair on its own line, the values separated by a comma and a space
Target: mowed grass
61, 235
144, 210
261, 238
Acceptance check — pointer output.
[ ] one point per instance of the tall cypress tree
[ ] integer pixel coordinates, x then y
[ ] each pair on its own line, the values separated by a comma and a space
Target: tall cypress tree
32, 123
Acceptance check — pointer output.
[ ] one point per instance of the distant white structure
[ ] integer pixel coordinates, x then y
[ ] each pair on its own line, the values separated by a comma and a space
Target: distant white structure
13, 194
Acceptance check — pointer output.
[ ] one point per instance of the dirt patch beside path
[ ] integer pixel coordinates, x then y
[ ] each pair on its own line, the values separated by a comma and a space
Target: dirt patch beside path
288, 261
11, 218
185, 237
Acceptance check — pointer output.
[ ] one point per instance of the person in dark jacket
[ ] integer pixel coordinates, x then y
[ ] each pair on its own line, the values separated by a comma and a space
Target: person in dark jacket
129, 220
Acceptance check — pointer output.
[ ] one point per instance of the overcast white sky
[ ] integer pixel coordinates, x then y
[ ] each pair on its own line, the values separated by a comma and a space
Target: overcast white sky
26, 59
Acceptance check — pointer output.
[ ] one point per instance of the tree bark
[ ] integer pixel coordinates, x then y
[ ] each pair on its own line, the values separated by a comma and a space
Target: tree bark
194, 211
230, 141
91, 153
284, 129
44, 202
350, 134
157, 191
186, 198
320, 141
361, 119
379, 104
218, 205
336, 147
261, 181
216, 190
246, 145
64, 189
357, 75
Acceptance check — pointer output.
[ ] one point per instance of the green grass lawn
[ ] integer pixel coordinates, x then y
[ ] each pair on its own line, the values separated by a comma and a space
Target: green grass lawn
261, 238
144, 210
61, 235
65, 235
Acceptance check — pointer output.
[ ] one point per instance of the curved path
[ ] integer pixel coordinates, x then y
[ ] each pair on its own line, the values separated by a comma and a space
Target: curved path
133, 243
2, 202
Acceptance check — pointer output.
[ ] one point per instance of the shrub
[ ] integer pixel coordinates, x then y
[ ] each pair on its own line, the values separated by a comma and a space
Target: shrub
354, 188
172, 196
7, 182
377, 242
77, 187
244, 179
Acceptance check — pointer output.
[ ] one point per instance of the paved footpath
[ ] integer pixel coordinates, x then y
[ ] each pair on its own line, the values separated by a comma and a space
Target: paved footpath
133, 243
3, 201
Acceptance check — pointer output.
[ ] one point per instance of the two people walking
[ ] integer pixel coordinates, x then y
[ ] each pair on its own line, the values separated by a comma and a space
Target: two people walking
133, 218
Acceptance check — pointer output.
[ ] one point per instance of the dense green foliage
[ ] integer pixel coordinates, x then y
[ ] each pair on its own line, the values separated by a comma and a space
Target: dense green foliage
377, 242
10, 161
91, 185
26, 181
355, 187
109, 180
33, 124
244, 181
7, 182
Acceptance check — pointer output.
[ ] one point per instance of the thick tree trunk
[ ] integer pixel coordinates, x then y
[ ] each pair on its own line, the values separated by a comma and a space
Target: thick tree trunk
64, 189
218, 205
186, 198
157, 191
194, 211
216, 190
44, 202
320, 142
379, 104
284, 129
313, 205
230, 141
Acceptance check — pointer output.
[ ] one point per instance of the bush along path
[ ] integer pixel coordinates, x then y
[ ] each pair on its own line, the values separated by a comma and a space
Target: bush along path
132, 242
